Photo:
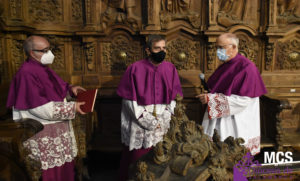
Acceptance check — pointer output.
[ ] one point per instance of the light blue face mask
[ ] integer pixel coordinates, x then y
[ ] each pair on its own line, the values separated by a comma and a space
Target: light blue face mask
221, 54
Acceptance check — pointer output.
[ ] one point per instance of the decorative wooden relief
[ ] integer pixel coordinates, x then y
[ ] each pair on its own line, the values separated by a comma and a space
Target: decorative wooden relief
172, 10
288, 11
211, 55
17, 55
120, 53
45, 10
77, 58
89, 50
249, 48
269, 55
15, 9
58, 49
238, 12
122, 12
287, 55
183, 53
77, 10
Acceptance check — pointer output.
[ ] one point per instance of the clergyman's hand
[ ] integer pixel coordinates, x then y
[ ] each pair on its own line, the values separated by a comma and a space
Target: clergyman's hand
202, 98
76, 89
78, 109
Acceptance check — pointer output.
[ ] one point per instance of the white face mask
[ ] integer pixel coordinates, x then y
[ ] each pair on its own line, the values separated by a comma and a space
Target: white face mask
47, 58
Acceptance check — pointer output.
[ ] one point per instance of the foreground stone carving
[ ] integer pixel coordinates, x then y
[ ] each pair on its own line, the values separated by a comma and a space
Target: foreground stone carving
186, 153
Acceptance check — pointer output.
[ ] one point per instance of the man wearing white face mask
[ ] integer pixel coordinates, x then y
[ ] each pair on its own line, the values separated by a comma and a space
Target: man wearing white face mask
233, 101
37, 92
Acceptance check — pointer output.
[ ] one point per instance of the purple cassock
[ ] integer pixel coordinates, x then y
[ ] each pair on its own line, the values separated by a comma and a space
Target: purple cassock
146, 84
238, 76
149, 84
35, 85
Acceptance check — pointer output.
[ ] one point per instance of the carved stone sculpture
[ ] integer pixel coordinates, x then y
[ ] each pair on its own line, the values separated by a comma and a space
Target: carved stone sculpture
186, 153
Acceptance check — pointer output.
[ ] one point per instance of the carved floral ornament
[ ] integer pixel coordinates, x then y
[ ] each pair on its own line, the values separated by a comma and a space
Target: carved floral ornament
89, 49
77, 10
120, 53
45, 10
57, 46
183, 53
17, 53
288, 55
249, 48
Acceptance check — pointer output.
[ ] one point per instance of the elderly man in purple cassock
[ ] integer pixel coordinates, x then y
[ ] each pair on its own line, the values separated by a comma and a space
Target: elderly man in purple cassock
148, 89
233, 101
38, 93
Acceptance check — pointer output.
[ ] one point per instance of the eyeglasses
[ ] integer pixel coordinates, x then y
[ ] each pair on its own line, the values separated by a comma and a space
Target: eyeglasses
45, 50
222, 47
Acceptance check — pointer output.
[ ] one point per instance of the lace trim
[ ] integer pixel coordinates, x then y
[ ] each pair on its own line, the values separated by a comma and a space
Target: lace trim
217, 106
64, 110
253, 145
146, 132
52, 146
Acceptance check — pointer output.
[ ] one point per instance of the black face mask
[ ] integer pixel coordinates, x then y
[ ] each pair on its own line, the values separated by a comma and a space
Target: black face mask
159, 56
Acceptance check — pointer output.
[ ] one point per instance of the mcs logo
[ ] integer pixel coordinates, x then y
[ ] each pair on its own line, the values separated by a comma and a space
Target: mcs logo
278, 157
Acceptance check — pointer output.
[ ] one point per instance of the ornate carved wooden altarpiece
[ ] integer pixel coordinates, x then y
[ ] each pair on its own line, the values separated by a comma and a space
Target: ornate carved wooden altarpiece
95, 40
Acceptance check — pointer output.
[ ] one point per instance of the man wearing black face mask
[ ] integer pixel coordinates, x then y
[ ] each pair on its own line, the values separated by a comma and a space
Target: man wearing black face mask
148, 89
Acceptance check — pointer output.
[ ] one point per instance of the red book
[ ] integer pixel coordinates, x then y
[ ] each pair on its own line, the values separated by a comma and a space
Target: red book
89, 97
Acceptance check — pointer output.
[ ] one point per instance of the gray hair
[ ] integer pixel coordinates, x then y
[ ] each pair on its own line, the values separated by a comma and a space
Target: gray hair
28, 45
234, 39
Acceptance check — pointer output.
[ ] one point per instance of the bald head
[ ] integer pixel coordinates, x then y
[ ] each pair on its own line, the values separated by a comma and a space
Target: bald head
32, 42
35, 45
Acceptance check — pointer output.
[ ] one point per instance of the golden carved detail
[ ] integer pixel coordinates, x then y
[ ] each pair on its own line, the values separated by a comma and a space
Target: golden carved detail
288, 11
58, 49
45, 10
15, 9
89, 49
238, 12
183, 53
77, 10
269, 55
77, 58
186, 153
211, 55
120, 53
120, 11
17, 53
249, 48
287, 55
178, 10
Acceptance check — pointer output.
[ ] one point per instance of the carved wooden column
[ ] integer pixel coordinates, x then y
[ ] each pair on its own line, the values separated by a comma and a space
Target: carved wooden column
153, 8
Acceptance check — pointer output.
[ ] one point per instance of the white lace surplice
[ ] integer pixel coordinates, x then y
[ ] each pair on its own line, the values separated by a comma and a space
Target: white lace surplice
236, 116
139, 128
55, 144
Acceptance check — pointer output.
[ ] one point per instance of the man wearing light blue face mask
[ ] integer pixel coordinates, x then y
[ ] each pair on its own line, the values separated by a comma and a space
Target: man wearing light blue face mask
233, 101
